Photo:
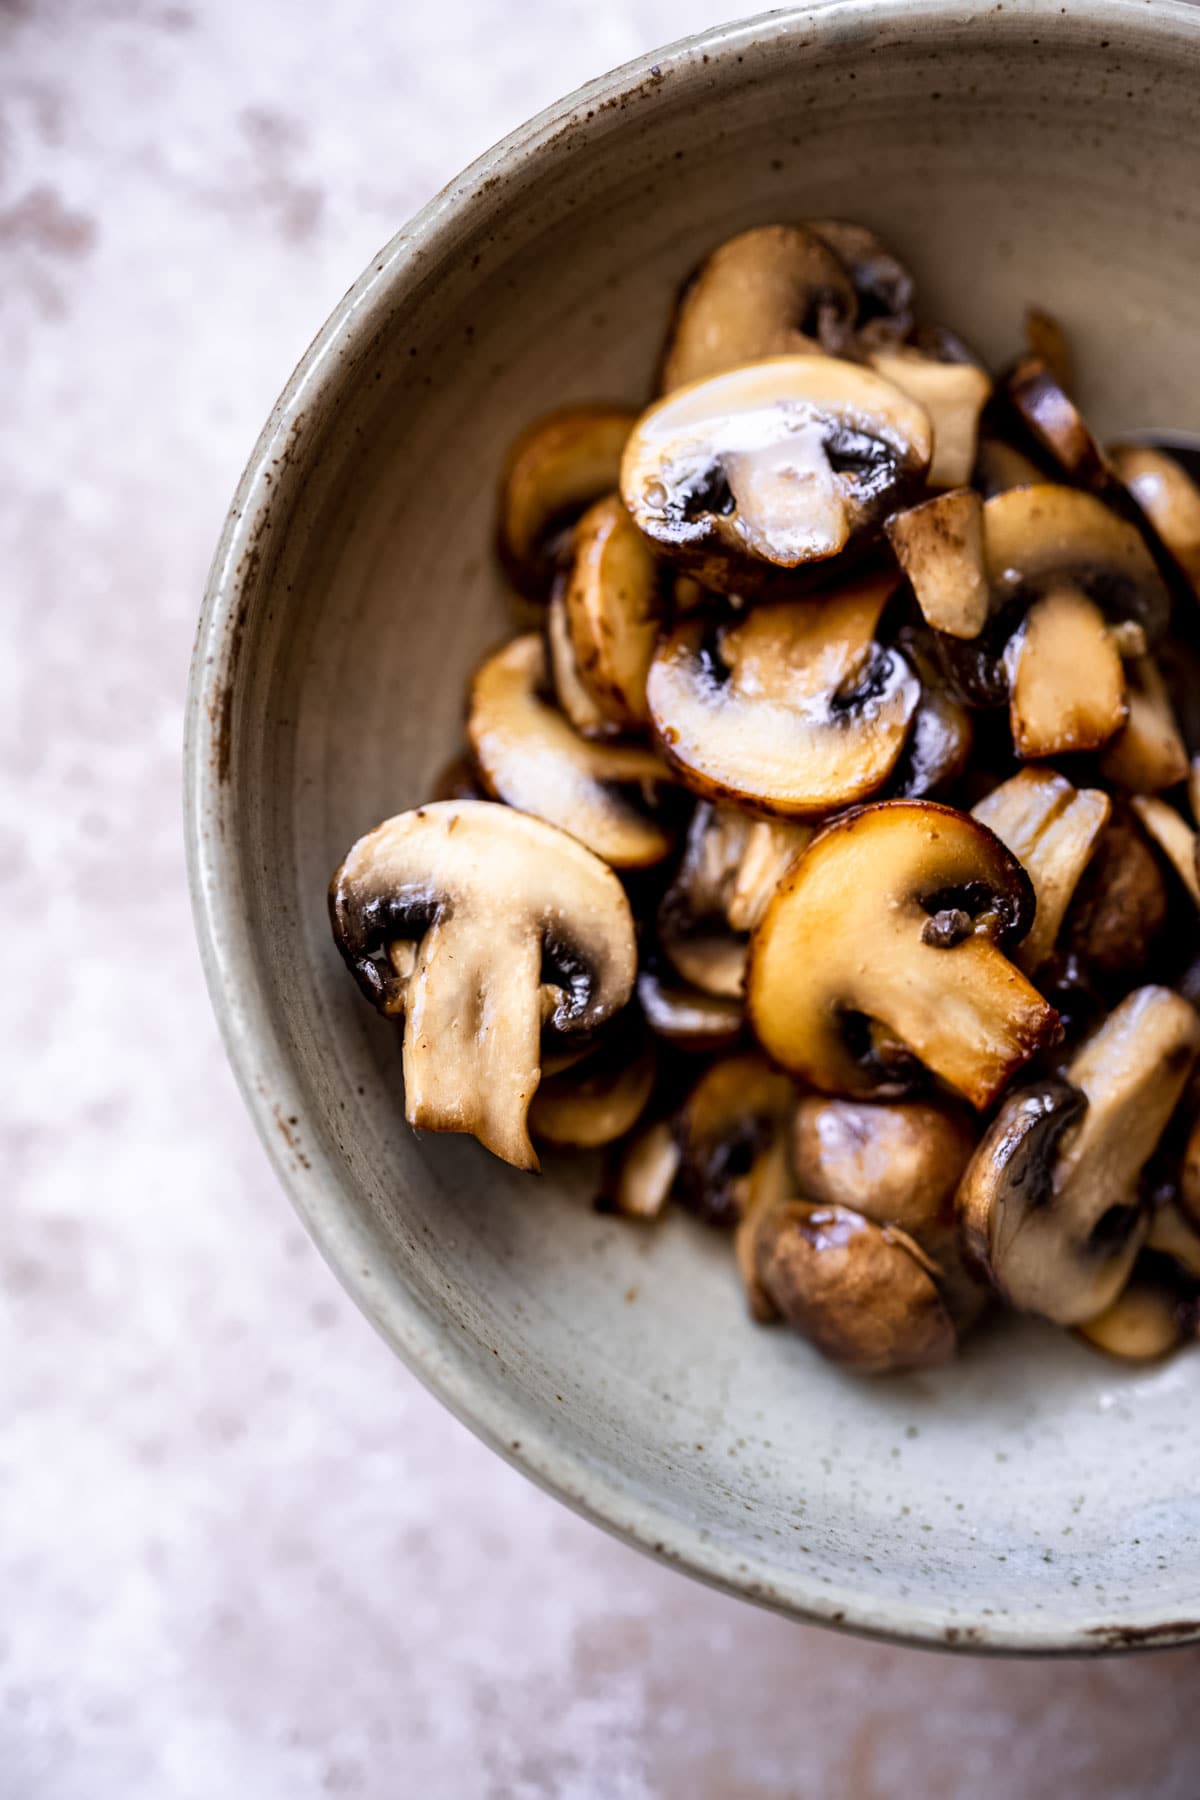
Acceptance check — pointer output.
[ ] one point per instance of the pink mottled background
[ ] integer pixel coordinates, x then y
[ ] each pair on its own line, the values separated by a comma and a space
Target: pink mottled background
242, 1553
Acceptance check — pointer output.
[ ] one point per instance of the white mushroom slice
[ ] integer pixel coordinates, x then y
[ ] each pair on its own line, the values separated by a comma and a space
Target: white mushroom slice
599, 1099
1174, 837
576, 701
530, 757
1050, 1204
1148, 753
899, 913
953, 394
613, 608
771, 466
1067, 680
772, 845
512, 925
1052, 829
774, 290
797, 711
1169, 498
554, 469
640, 1185
939, 545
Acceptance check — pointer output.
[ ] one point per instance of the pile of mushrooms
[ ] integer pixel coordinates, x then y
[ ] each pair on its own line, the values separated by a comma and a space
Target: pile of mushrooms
824, 849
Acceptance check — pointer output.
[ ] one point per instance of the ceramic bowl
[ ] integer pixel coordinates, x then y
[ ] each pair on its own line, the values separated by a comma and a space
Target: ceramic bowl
1031, 1496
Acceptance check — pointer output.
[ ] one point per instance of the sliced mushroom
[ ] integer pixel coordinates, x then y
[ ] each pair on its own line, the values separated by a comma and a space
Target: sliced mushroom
1055, 423
939, 743
900, 913
772, 466
577, 701
1050, 1203
1047, 342
939, 545
1000, 466
1067, 682
1147, 1321
1052, 828
530, 757
771, 291
1120, 904
639, 1185
771, 846
884, 289
1169, 498
553, 470
693, 916
896, 1164
479, 925
613, 609
865, 1295
600, 1098
734, 1112
1148, 753
1174, 837
686, 1016
953, 394
794, 709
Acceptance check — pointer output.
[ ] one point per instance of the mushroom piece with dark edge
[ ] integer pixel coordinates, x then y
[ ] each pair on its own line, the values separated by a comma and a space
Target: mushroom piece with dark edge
481, 927
903, 915
864, 1294
1055, 423
1169, 498
772, 467
1050, 1204
884, 289
777, 289
792, 708
739, 1106
1172, 834
553, 471
939, 545
530, 757
575, 700
598, 1099
687, 1016
612, 606
1052, 828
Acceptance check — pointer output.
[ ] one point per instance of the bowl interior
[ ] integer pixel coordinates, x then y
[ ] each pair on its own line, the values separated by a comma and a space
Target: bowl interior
1031, 1495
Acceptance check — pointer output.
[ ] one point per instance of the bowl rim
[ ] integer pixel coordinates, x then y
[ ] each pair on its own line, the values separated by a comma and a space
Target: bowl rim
262, 1065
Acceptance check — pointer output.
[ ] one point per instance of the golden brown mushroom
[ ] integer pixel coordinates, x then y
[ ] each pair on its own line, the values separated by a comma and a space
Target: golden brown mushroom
554, 469
1052, 828
613, 608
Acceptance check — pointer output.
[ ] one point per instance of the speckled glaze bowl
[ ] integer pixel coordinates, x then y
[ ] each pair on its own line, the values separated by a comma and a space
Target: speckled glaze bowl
1031, 1497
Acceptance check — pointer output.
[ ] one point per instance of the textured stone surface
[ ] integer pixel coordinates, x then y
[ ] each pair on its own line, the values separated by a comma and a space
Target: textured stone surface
241, 1551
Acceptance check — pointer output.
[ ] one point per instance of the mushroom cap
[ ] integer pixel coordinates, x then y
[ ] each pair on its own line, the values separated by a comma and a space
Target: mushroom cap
555, 468
1052, 828
769, 291
898, 1163
613, 606
772, 466
883, 287
1055, 423
1120, 904
795, 710
688, 1017
480, 924
865, 1295
1050, 1203
732, 1114
530, 757
855, 930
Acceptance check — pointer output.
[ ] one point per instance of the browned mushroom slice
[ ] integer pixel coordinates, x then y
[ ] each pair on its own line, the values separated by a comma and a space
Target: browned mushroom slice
939, 545
693, 917
1120, 904
1174, 837
530, 757
1148, 753
1055, 423
640, 1182
772, 466
1067, 683
1048, 537
598, 1100
939, 742
1000, 466
1052, 828
1047, 342
795, 710
1169, 498
771, 846
865, 1295
576, 700
883, 286
1050, 1204
896, 1164
554, 469
734, 1112
1147, 1321
900, 913
774, 290
613, 608
952, 393
481, 925
686, 1016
